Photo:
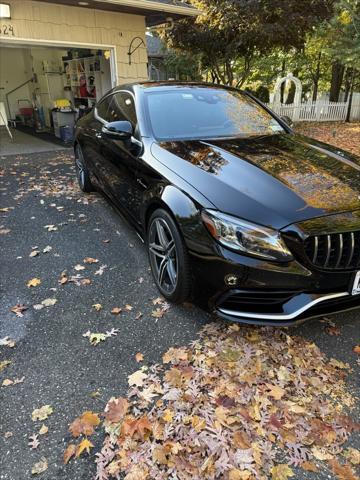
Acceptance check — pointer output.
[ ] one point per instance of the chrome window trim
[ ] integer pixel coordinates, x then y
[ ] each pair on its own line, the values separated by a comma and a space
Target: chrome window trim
283, 316
97, 116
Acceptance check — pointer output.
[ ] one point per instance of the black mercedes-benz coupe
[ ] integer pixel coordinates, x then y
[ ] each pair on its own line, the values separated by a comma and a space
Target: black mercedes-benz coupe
237, 211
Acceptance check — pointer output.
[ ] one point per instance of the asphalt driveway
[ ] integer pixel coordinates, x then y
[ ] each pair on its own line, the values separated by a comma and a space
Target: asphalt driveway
42, 209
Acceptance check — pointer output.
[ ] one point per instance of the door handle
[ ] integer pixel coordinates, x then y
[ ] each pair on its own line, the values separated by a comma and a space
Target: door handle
141, 182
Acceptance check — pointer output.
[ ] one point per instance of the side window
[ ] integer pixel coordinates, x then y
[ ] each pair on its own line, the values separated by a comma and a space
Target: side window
102, 108
122, 108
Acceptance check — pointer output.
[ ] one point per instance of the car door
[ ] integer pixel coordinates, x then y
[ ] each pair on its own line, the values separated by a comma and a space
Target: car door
119, 156
92, 148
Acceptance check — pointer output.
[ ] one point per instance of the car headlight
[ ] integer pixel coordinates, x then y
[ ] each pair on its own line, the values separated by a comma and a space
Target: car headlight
246, 237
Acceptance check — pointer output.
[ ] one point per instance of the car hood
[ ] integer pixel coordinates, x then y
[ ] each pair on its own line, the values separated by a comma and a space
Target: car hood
272, 180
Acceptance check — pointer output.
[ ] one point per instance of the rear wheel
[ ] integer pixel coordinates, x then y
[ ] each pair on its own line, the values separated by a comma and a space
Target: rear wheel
82, 173
168, 257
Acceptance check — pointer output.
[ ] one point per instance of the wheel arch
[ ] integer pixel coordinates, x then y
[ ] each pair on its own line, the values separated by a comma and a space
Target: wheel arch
184, 211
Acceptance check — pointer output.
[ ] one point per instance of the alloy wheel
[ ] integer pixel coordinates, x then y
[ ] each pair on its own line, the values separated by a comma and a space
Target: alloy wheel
80, 172
163, 255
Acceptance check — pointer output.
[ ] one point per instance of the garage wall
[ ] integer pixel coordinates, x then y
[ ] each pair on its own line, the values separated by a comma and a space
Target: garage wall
44, 21
15, 69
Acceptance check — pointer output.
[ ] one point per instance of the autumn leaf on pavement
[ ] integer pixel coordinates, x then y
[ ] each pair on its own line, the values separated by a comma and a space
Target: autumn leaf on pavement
97, 306
275, 391
4, 364
85, 424
139, 357
69, 452
158, 301
40, 466
90, 260
137, 378
34, 282
356, 349
158, 313
33, 442
42, 413
309, 467
7, 342
140, 427
95, 338
281, 472
43, 430
128, 307
116, 310
49, 302
79, 267
342, 472
34, 253
83, 445
19, 309
175, 355
116, 409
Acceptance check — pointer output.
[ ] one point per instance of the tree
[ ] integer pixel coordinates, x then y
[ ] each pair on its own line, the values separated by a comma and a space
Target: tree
230, 34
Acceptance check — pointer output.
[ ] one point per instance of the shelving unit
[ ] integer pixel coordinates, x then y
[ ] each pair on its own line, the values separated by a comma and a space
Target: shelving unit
88, 78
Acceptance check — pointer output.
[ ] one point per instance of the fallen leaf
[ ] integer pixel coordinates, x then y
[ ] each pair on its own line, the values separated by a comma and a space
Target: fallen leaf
116, 409
275, 391
343, 472
40, 466
4, 364
90, 260
137, 378
50, 228
84, 445
281, 472
139, 357
7, 382
79, 267
334, 331
34, 282
309, 467
7, 342
85, 424
116, 310
33, 442
42, 413
356, 349
69, 452
4, 231
48, 302
19, 309
97, 306
43, 430
34, 253
128, 307
47, 249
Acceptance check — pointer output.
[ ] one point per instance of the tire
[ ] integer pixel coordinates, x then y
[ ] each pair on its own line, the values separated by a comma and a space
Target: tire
82, 173
168, 256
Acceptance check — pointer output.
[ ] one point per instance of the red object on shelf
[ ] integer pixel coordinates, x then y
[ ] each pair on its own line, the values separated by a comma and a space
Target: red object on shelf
26, 111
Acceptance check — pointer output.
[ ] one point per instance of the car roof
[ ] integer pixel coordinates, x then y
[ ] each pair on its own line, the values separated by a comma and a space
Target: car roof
154, 85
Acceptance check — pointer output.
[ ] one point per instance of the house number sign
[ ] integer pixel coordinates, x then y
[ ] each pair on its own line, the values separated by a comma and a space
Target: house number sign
7, 29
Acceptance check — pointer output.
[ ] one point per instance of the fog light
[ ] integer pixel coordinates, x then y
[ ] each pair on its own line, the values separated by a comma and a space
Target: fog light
231, 280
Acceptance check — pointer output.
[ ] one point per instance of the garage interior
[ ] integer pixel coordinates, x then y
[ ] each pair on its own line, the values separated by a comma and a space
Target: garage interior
44, 90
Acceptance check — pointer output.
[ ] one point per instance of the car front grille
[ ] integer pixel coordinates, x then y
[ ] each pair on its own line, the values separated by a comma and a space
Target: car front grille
337, 251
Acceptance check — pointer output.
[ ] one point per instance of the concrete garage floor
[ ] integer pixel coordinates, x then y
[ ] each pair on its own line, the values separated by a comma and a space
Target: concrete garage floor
59, 366
23, 143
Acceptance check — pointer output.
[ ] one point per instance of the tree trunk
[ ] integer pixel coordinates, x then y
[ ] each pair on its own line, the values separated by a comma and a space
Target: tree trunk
316, 78
348, 113
337, 74
348, 82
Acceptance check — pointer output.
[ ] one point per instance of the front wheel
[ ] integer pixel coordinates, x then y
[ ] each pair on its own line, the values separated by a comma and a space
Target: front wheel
82, 173
168, 256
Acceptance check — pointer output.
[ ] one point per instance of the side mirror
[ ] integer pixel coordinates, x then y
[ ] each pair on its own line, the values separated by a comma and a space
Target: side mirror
287, 120
121, 130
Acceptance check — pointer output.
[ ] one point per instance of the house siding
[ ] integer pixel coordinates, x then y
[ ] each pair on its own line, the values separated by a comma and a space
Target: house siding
60, 23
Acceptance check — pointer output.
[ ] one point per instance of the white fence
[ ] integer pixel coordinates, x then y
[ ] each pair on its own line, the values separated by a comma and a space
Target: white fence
319, 111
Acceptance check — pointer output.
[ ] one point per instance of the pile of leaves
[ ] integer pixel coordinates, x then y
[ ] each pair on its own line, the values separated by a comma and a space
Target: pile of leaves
237, 404
342, 135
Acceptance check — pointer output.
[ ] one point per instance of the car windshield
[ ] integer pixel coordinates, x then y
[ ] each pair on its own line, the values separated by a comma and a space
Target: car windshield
196, 113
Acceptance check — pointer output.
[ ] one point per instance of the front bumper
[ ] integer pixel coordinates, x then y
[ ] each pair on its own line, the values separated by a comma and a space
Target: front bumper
265, 293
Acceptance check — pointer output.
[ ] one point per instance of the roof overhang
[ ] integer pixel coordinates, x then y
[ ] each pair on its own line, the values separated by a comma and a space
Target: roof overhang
155, 12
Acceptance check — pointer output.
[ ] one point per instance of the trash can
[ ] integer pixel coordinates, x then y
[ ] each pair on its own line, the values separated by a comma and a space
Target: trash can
67, 133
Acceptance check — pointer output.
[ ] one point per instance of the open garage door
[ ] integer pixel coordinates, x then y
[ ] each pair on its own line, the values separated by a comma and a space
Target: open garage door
44, 90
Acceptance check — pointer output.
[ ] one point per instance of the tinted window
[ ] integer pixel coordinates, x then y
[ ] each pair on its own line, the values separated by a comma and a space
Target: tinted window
122, 108
102, 108
202, 112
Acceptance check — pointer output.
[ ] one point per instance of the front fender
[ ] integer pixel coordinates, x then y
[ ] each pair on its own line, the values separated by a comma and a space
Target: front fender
186, 213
